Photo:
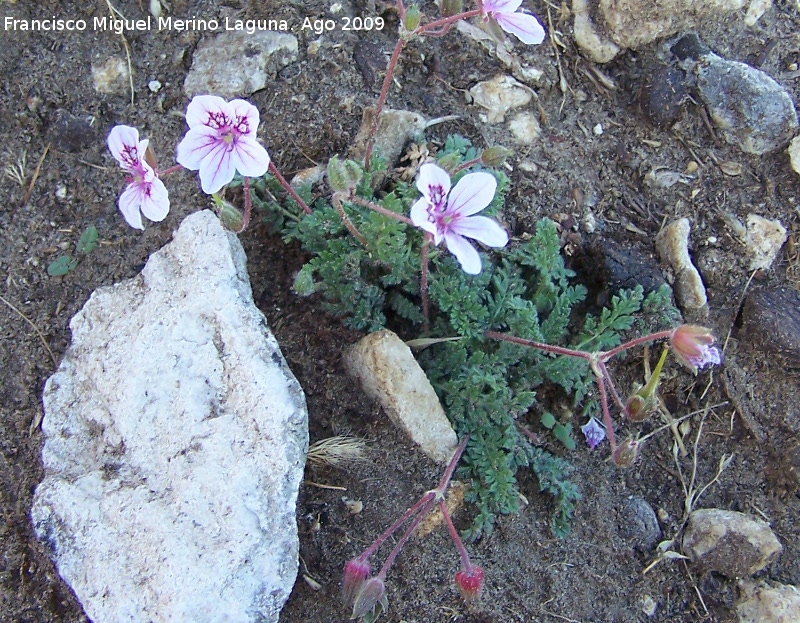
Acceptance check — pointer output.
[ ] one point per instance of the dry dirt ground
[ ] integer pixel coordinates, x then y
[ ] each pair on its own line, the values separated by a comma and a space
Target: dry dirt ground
52, 130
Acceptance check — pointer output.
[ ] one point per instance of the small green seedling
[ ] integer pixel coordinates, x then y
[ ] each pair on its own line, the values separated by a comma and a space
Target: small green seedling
66, 264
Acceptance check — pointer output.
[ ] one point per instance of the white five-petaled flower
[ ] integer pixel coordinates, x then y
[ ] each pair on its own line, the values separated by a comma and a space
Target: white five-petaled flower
448, 215
145, 193
221, 140
525, 27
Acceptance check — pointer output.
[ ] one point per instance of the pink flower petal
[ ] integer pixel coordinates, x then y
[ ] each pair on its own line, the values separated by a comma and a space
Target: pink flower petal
129, 202
155, 202
465, 253
197, 113
421, 217
245, 113
432, 176
525, 27
198, 144
501, 6
472, 194
249, 158
482, 229
217, 169
124, 145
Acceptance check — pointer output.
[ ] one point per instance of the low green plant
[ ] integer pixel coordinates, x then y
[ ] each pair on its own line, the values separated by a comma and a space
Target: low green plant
366, 267
66, 263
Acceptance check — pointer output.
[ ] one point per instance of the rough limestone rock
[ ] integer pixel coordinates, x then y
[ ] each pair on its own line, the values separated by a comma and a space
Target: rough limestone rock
794, 154
175, 438
111, 75
672, 244
604, 28
764, 241
762, 603
499, 95
730, 543
389, 374
237, 63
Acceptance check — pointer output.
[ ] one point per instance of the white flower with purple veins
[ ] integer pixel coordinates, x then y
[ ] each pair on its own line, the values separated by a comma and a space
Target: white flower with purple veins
221, 140
448, 215
525, 27
593, 432
145, 193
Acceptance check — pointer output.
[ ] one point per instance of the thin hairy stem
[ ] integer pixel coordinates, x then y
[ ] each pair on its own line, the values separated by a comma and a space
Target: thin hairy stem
353, 198
423, 283
346, 220
557, 350
466, 563
387, 82
288, 187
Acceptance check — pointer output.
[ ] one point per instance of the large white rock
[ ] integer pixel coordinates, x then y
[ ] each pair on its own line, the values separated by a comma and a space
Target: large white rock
175, 438
760, 602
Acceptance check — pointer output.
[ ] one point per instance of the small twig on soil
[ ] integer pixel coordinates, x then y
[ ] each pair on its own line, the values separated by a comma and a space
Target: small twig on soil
35, 328
117, 14
35, 177
311, 483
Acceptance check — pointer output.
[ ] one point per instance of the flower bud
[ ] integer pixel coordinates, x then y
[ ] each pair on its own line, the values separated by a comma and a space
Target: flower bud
412, 18
625, 453
452, 7
304, 286
229, 215
449, 161
638, 408
150, 158
371, 599
469, 582
692, 347
356, 573
495, 156
343, 176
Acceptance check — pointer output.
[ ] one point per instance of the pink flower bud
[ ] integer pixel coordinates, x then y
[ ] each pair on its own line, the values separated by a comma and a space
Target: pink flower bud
625, 453
638, 408
692, 346
356, 573
469, 582
371, 599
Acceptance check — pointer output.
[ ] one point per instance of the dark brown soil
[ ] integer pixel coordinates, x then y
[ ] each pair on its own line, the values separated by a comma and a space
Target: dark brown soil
50, 113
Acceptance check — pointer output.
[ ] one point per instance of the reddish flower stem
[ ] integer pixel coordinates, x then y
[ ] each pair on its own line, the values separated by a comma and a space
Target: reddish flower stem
353, 198
466, 563
445, 21
387, 82
548, 348
423, 283
171, 169
288, 187
465, 165
601, 387
247, 204
605, 356
346, 220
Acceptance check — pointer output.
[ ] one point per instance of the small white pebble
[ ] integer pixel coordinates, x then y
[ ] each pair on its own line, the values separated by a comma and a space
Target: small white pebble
712, 240
61, 192
154, 86
336, 8
598, 129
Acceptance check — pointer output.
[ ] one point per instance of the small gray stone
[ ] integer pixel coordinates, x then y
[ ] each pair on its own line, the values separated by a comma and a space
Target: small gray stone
638, 524
175, 438
238, 63
395, 129
762, 603
389, 374
730, 543
111, 76
753, 111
